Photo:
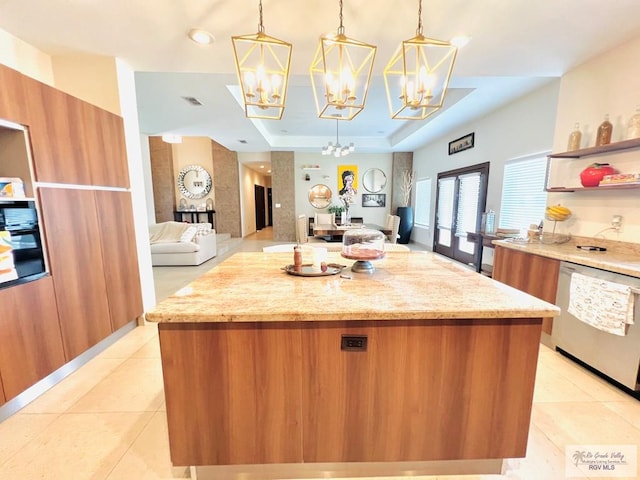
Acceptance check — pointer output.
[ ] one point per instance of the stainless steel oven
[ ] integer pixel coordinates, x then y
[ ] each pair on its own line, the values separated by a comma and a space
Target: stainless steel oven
21, 240
618, 357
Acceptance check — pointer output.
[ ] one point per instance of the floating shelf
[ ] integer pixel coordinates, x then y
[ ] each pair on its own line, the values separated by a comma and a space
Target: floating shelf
621, 186
612, 147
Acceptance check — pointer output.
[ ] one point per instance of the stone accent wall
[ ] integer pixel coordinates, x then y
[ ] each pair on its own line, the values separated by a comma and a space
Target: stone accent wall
283, 191
164, 183
226, 178
401, 161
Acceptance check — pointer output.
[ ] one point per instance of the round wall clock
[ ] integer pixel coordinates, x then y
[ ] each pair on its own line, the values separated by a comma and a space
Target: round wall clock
194, 182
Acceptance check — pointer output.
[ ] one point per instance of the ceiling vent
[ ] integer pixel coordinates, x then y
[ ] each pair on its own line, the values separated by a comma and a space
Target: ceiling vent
193, 101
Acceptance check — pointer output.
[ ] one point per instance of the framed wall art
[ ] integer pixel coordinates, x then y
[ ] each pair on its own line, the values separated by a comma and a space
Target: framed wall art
462, 143
374, 200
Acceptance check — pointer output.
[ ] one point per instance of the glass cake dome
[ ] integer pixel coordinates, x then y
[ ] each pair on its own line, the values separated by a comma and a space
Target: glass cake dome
363, 245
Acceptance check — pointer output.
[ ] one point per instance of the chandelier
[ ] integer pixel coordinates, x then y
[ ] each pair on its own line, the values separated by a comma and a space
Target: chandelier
417, 76
262, 63
340, 74
338, 150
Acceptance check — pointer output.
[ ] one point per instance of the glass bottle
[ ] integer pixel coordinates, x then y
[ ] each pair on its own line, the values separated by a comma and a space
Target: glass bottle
604, 132
297, 258
574, 138
633, 129
490, 227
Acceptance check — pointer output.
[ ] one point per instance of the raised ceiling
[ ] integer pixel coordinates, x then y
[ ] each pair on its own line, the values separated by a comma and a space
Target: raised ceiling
516, 47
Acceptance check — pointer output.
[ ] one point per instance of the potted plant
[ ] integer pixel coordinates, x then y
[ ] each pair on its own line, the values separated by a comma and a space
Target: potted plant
337, 210
405, 212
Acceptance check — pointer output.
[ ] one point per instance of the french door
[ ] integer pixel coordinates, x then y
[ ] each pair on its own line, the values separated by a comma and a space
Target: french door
461, 198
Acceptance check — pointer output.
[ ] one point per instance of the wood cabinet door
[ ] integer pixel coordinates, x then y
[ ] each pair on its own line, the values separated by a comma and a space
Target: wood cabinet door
12, 96
72, 236
30, 338
120, 256
533, 274
113, 167
232, 392
3, 399
57, 130
436, 390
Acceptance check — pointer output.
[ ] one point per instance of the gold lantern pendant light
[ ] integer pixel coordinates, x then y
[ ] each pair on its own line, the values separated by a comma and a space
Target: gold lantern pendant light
417, 76
262, 64
340, 75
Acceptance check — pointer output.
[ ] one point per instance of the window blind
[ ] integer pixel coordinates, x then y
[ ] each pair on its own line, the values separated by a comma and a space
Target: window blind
423, 202
523, 196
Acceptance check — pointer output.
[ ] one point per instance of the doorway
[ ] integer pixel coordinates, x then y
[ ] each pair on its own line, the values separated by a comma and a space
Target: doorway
461, 198
261, 210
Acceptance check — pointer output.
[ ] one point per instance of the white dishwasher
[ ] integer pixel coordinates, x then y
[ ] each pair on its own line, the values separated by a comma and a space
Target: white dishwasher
618, 357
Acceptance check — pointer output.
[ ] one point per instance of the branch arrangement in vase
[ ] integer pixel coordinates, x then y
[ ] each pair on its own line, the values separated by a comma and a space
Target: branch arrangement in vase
407, 185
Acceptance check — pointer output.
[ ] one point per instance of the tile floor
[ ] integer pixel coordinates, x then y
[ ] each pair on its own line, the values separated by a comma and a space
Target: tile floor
107, 420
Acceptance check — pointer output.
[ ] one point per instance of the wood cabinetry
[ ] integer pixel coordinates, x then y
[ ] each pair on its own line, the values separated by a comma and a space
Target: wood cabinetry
75, 261
533, 274
119, 256
72, 141
30, 338
285, 392
243, 411
88, 233
3, 399
13, 99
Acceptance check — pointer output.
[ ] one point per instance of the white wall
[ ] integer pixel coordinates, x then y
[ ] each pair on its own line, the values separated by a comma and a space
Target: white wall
129, 111
521, 128
328, 175
607, 84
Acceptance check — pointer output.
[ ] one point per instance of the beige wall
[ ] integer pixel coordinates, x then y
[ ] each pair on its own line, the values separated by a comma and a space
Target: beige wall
607, 84
26, 59
192, 151
91, 78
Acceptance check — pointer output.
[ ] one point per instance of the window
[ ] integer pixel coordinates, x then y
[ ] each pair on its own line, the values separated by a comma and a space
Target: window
423, 202
523, 195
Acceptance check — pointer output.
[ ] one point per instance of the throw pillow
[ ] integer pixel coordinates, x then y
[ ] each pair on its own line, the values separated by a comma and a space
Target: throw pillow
188, 234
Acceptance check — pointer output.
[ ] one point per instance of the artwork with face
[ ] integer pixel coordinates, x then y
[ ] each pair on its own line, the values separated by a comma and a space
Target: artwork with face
348, 180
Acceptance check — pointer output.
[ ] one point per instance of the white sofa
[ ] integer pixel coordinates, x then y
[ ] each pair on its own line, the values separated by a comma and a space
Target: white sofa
175, 243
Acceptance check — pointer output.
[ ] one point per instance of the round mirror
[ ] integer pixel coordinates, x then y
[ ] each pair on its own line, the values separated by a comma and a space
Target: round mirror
374, 180
320, 196
194, 181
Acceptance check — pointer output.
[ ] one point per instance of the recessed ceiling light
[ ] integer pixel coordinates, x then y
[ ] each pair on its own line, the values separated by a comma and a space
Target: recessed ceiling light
261, 166
460, 41
201, 37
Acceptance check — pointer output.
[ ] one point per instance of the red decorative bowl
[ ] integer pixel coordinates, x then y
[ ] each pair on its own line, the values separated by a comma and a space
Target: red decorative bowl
593, 174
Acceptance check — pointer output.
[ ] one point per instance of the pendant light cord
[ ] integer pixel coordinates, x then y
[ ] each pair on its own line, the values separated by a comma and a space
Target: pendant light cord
419, 30
260, 27
340, 28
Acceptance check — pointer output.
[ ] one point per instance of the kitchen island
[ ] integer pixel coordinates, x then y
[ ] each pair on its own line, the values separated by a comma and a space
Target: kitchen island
423, 365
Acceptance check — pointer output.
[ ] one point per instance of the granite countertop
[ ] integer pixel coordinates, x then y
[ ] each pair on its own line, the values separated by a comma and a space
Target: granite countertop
620, 257
251, 286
